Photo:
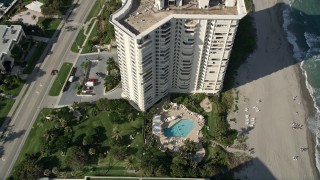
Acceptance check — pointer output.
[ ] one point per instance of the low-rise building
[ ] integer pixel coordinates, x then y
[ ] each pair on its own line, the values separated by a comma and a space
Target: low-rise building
10, 35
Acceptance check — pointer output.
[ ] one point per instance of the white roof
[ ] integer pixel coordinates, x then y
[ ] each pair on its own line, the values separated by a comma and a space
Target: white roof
35, 6
9, 34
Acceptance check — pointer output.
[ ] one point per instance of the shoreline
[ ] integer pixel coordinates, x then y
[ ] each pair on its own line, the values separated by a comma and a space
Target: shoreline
308, 101
310, 111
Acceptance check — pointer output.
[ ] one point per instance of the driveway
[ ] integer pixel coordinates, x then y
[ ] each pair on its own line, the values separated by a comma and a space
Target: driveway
98, 64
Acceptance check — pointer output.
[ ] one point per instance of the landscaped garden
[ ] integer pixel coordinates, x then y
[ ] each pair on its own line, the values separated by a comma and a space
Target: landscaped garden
85, 139
113, 77
60, 79
102, 32
111, 138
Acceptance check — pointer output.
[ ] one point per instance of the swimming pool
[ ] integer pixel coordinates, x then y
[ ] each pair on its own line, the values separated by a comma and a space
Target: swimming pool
180, 129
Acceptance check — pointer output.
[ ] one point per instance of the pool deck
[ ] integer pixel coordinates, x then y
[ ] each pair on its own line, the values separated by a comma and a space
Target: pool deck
194, 135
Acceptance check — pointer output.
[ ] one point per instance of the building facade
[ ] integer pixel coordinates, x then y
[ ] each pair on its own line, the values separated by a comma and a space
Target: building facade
178, 46
11, 35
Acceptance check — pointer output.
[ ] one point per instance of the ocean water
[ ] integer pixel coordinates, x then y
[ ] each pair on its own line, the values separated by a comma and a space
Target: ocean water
302, 25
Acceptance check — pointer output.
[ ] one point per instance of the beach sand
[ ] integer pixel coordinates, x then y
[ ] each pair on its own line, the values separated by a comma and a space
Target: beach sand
272, 75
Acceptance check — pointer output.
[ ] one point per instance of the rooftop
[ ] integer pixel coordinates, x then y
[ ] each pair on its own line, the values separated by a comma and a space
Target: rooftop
143, 13
8, 34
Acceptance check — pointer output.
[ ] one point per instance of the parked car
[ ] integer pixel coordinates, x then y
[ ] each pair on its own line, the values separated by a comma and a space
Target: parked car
54, 72
92, 80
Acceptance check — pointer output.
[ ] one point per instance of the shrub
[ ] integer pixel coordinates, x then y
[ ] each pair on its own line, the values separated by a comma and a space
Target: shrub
166, 105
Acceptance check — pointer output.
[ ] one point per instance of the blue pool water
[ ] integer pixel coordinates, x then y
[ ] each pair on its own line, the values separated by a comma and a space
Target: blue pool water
181, 129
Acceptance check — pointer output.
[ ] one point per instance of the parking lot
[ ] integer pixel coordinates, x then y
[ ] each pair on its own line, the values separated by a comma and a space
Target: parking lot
97, 71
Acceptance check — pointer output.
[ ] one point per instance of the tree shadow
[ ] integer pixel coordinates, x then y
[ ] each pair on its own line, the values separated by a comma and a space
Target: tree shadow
50, 162
1, 151
245, 131
10, 136
36, 73
79, 139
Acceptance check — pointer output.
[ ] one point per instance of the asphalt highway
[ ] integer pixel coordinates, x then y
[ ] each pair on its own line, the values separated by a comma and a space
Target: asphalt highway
39, 83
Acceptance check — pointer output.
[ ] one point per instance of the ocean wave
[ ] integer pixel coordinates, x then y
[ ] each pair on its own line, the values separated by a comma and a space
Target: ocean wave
310, 88
314, 126
312, 39
298, 54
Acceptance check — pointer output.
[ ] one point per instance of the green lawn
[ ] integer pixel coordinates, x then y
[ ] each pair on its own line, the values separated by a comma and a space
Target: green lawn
60, 79
33, 142
89, 27
5, 106
212, 118
16, 90
35, 58
95, 10
78, 41
50, 26
87, 48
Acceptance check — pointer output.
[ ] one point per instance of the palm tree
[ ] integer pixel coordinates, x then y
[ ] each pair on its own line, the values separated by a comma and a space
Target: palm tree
116, 133
63, 123
130, 117
92, 151
75, 105
130, 163
49, 134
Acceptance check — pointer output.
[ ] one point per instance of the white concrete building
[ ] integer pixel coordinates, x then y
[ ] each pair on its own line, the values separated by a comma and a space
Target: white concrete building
10, 35
174, 46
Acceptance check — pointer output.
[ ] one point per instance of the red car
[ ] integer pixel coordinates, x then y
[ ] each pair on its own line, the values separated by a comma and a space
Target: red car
92, 80
54, 72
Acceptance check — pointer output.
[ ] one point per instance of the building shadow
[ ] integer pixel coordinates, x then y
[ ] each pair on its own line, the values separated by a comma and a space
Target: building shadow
267, 46
252, 169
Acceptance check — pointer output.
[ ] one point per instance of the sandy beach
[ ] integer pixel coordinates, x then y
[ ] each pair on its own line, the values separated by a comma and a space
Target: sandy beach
272, 75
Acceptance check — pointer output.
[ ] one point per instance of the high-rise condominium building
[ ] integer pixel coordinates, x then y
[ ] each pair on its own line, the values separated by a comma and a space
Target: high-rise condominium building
174, 46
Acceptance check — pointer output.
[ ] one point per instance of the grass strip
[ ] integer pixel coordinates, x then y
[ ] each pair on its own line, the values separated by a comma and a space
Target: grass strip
5, 105
51, 27
87, 48
95, 10
35, 58
60, 79
78, 41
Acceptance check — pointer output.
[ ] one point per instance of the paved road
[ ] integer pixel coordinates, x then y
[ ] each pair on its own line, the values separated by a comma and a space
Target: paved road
40, 82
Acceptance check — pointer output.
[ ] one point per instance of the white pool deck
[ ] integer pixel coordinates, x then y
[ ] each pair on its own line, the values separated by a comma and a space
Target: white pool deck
175, 142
